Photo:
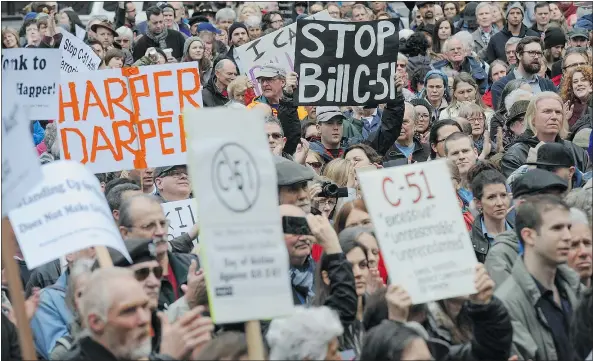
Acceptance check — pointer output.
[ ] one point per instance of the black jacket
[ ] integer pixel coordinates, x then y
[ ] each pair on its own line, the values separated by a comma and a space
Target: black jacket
421, 153
495, 49
479, 241
11, 349
383, 138
43, 276
544, 84
179, 262
342, 296
211, 96
87, 349
586, 121
516, 155
174, 40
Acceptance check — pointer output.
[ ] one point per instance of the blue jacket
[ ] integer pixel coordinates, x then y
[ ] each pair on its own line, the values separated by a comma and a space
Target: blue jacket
368, 128
38, 133
546, 85
52, 317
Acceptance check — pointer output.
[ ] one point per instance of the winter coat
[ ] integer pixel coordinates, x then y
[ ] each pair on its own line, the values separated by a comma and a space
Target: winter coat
211, 96
532, 338
544, 84
179, 263
516, 155
87, 349
421, 152
43, 276
495, 49
586, 121
11, 349
175, 41
471, 66
502, 256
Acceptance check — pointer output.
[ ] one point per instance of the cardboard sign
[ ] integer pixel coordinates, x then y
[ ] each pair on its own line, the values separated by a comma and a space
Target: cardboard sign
420, 229
277, 47
243, 249
64, 213
341, 63
30, 79
111, 122
21, 170
76, 55
182, 216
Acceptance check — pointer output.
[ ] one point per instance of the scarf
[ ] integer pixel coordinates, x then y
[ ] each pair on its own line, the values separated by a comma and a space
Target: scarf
301, 278
159, 38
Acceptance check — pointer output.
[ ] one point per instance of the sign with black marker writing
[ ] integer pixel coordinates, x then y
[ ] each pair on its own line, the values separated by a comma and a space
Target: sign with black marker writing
342, 63
182, 216
76, 55
32, 80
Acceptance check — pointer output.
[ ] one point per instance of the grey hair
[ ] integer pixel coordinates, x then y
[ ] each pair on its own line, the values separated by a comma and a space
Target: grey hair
512, 41
81, 267
125, 214
578, 217
253, 22
580, 198
273, 120
221, 64
98, 298
466, 39
115, 194
353, 233
303, 335
99, 18
481, 5
124, 31
414, 114
402, 57
513, 96
225, 14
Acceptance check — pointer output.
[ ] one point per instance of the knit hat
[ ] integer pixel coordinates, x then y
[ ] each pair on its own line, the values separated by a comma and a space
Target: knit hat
518, 109
515, 5
234, 27
554, 37
188, 42
423, 102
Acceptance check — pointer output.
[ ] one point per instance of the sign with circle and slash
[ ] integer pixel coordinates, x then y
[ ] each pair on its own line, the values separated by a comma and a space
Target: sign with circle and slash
236, 180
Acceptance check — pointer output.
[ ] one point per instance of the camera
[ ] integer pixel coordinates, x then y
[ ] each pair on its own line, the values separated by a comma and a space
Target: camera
331, 190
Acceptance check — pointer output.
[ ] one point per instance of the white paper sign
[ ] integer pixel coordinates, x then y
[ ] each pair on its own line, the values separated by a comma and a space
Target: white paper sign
80, 32
420, 229
32, 80
182, 216
234, 180
21, 170
277, 47
77, 57
64, 213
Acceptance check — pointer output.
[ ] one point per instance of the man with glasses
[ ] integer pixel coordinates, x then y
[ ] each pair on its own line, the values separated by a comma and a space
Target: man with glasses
274, 20
172, 183
142, 217
529, 52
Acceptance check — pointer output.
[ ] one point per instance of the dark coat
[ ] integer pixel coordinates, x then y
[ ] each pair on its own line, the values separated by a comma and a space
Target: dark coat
179, 262
211, 96
43, 276
11, 349
516, 155
86, 349
175, 40
470, 66
495, 49
544, 84
421, 153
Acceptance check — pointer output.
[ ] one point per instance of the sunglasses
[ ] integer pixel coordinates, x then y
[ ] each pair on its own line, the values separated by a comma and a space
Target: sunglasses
143, 273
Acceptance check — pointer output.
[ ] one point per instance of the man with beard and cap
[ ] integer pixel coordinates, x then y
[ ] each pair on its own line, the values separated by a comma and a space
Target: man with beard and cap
504, 251
529, 51
513, 28
426, 9
148, 272
158, 36
238, 35
142, 217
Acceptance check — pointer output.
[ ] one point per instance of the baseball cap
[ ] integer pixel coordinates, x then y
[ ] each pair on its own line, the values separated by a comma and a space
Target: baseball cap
537, 181
578, 33
270, 71
208, 27
160, 171
325, 114
553, 155
289, 172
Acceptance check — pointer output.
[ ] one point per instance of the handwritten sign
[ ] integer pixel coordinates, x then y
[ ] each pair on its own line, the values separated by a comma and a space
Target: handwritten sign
109, 122
420, 229
182, 216
21, 170
277, 47
32, 81
346, 63
64, 213
76, 55
233, 174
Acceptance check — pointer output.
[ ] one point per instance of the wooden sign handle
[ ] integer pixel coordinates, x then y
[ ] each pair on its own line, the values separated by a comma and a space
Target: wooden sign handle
15, 287
255, 342
103, 257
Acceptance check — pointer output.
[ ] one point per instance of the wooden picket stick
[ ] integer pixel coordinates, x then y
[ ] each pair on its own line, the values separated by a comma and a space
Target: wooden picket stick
16, 292
255, 342
103, 257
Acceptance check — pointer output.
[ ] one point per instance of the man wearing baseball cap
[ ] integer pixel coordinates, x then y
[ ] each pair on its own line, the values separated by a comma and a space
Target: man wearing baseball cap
513, 28
579, 38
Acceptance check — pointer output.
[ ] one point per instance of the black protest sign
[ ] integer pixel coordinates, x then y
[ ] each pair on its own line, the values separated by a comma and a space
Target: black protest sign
342, 63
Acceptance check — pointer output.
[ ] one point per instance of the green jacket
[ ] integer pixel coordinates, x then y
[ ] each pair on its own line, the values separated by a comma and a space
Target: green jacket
352, 128
501, 257
532, 339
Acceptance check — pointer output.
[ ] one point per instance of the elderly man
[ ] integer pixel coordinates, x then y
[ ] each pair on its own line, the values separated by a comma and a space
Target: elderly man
224, 18
118, 194
361, 13
172, 183
293, 183
580, 254
510, 50
407, 148
142, 217
215, 93
544, 119
485, 30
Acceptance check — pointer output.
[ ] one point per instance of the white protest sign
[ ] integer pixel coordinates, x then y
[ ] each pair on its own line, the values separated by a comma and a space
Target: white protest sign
234, 180
32, 80
277, 47
64, 213
21, 170
420, 229
76, 55
182, 216
80, 32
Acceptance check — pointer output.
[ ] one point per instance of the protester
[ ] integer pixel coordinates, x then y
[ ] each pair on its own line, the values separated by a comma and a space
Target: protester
439, 132
478, 118
172, 183
576, 91
159, 36
435, 92
193, 50
119, 194
215, 91
579, 257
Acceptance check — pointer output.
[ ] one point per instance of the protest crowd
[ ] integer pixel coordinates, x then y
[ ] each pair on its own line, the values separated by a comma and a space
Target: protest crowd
427, 163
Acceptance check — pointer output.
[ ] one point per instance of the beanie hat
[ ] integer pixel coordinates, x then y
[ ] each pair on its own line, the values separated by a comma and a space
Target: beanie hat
234, 27
423, 102
188, 42
515, 5
554, 37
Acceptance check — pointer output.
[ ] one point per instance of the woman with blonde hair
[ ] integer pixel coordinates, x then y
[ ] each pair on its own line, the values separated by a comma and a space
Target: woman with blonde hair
241, 90
576, 91
341, 172
465, 90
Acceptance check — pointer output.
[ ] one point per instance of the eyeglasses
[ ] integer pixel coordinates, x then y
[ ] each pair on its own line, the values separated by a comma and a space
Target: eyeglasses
275, 136
475, 120
143, 273
315, 165
150, 227
176, 174
534, 53
573, 65
267, 80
